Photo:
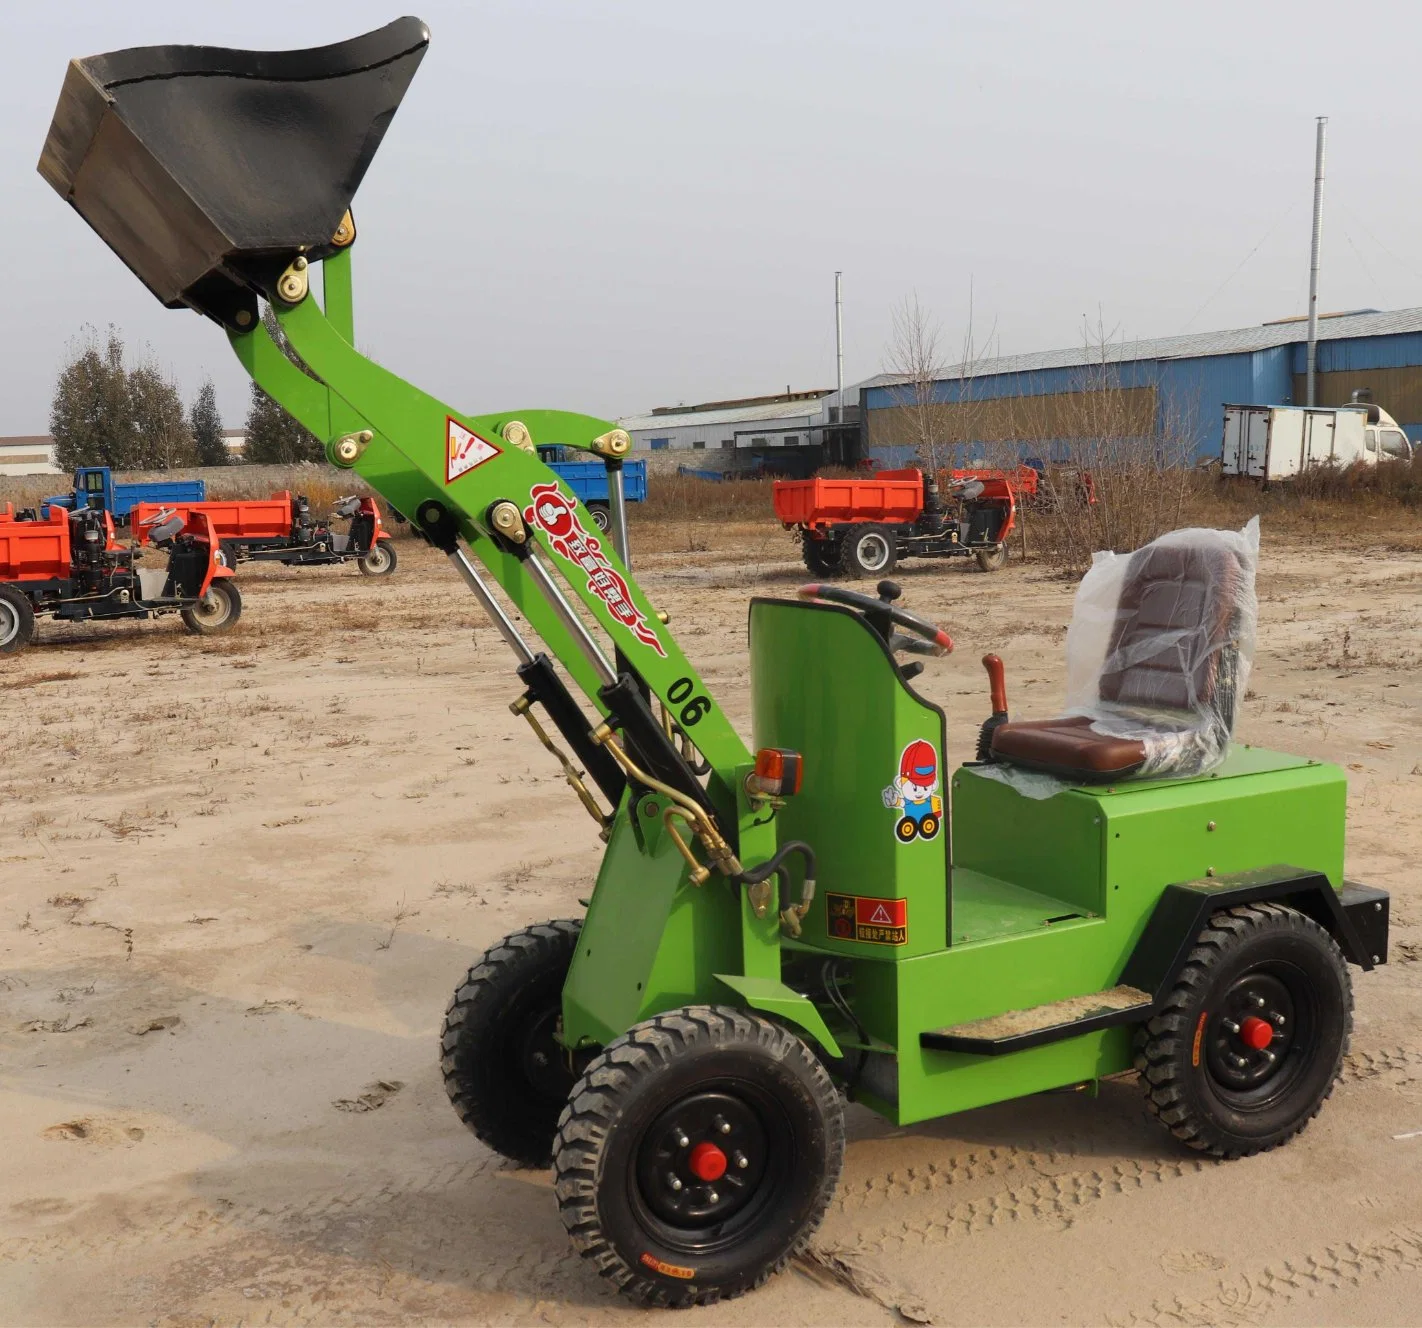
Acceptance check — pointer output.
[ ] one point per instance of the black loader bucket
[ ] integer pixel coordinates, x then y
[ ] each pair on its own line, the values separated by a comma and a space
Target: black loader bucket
210, 171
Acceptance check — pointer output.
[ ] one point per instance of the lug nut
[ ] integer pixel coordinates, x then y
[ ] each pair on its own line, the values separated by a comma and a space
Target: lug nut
712, 1197
1230, 1026
1277, 1020
723, 1125
742, 1161
674, 1182
681, 1140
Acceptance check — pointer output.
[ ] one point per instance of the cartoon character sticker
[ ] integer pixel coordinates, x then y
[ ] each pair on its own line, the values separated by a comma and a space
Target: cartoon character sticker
914, 793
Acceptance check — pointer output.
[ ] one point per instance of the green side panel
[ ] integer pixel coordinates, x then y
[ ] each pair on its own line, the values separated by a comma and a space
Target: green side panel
823, 684
776, 998
1027, 871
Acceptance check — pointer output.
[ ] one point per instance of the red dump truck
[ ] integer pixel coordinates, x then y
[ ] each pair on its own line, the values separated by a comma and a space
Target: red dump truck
863, 526
68, 566
281, 529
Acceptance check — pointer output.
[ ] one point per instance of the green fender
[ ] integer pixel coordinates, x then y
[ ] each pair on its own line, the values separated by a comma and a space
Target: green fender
772, 997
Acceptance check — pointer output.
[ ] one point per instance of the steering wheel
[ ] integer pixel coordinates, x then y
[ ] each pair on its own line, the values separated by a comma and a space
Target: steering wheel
927, 639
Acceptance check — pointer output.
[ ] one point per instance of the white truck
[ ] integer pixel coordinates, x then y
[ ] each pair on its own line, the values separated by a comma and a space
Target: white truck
1276, 442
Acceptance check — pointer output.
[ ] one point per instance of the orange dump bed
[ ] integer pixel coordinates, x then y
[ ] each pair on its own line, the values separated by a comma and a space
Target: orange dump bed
240, 519
34, 550
890, 496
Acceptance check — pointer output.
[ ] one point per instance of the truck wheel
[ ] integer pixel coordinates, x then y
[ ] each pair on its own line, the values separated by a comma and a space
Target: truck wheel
697, 1155
17, 620
230, 553
380, 561
601, 515
821, 555
868, 551
991, 560
504, 1070
216, 611
1249, 1042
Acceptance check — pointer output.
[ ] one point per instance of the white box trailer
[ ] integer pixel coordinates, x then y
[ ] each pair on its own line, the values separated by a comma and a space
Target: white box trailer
1276, 442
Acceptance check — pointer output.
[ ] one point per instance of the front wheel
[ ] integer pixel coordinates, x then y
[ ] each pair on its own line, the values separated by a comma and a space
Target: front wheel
17, 620
216, 611
380, 561
991, 560
697, 1155
821, 555
1250, 1040
504, 1069
868, 551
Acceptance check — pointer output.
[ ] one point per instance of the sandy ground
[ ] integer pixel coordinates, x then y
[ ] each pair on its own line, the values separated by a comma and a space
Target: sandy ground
239, 878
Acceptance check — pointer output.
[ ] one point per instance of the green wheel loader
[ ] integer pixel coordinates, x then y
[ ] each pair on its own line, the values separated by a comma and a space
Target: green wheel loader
820, 915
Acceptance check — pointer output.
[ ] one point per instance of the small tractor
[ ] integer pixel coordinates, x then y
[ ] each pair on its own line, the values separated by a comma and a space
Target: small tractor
827, 912
281, 529
68, 566
863, 527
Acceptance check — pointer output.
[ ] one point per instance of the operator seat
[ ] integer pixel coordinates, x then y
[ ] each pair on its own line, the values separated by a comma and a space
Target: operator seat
1166, 693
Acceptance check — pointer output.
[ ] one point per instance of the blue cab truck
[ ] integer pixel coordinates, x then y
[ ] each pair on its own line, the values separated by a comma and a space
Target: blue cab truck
588, 480
94, 487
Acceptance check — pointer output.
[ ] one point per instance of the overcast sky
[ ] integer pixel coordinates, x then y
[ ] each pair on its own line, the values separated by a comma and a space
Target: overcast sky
608, 207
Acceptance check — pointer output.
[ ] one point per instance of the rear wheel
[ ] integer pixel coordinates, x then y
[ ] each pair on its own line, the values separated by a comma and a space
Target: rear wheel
821, 555
229, 553
17, 620
504, 1069
216, 611
1250, 1040
868, 551
697, 1155
991, 560
380, 561
601, 515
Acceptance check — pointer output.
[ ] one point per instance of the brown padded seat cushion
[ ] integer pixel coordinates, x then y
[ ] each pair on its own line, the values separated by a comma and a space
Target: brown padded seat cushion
1067, 745
1168, 589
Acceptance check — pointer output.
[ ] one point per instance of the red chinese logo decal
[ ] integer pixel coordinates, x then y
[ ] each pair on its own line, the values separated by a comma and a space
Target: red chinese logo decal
553, 514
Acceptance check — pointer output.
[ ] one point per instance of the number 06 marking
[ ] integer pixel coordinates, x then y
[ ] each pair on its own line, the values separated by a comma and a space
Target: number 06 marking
695, 707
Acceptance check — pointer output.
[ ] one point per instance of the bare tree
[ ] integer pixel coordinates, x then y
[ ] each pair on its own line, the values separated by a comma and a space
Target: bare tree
912, 357
1123, 476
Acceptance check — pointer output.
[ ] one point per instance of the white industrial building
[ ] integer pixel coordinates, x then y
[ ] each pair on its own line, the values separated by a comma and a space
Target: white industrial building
27, 454
743, 430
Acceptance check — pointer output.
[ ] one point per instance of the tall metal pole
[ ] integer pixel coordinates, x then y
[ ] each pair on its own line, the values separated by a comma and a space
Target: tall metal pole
839, 340
1309, 394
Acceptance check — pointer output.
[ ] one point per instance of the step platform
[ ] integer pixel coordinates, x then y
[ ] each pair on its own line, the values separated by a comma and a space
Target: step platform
1016, 1030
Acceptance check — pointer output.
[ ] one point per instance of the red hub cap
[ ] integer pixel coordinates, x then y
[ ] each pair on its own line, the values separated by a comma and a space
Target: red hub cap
1256, 1033
707, 1162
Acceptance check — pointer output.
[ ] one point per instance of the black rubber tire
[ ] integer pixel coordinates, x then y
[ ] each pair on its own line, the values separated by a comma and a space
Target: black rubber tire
1175, 1051
602, 516
618, 1129
222, 589
500, 1017
821, 555
380, 561
230, 553
17, 620
991, 560
861, 540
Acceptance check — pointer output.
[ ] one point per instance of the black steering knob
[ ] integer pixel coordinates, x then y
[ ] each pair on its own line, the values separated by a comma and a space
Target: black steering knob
889, 591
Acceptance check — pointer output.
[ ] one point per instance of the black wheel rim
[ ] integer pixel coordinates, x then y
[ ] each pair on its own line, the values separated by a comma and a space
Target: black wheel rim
540, 1057
670, 1191
1248, 1072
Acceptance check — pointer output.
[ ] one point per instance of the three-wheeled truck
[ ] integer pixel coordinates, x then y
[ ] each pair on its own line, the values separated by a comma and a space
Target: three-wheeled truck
68, 566
281, 529
830, 912
864, 526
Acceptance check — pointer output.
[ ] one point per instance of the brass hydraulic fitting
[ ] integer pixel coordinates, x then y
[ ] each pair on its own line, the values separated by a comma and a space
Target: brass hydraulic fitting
508, 521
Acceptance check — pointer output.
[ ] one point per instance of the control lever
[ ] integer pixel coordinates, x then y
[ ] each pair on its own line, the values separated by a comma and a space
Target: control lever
997, 686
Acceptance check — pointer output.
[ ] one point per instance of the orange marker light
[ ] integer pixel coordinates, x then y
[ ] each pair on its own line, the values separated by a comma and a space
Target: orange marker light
778, 773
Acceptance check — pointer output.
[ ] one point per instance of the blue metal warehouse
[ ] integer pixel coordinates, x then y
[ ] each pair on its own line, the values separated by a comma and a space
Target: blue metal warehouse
1172, 384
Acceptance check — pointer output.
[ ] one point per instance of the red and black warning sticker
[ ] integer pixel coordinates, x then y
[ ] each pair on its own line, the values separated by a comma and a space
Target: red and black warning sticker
864, 918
